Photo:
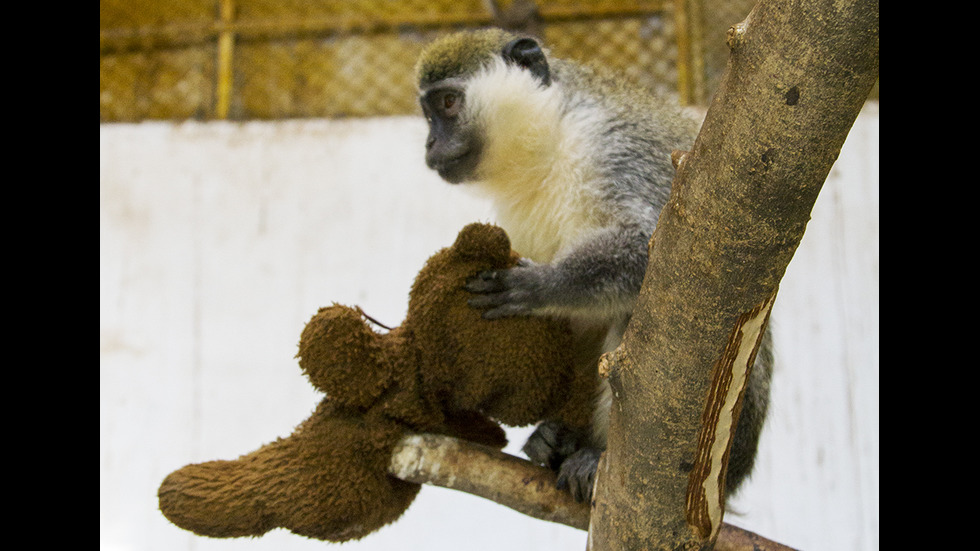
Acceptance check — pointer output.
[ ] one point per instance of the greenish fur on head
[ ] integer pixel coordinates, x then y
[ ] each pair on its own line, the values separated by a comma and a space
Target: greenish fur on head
459, 54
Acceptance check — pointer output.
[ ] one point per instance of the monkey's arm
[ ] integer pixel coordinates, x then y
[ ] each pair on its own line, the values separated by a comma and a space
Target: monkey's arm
600, 277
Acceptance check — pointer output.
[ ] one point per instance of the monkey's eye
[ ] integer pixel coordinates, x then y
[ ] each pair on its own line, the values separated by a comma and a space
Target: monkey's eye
451, 103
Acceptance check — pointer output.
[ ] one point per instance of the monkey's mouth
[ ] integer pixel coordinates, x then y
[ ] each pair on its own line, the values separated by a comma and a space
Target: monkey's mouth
459, 168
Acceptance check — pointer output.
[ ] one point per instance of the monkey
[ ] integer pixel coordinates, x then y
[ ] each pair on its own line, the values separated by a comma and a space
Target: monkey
578, 166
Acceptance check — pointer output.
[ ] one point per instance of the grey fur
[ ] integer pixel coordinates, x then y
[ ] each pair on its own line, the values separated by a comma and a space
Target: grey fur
631, 152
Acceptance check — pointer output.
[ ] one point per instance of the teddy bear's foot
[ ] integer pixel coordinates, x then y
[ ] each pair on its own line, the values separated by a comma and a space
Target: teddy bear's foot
328, 481
200, 498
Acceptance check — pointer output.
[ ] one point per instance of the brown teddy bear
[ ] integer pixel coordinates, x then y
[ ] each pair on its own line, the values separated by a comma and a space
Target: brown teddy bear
444, 370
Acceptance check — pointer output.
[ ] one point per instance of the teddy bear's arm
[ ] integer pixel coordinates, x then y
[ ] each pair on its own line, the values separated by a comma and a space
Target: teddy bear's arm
476, 427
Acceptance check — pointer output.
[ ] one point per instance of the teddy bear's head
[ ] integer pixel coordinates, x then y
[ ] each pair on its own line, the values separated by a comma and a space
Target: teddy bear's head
444, 356
511, 369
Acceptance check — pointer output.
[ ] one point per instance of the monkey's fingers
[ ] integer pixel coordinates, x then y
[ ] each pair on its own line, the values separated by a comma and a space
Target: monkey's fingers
500, 304
489, 281
505, 310
505, 293
550, 444
577, 473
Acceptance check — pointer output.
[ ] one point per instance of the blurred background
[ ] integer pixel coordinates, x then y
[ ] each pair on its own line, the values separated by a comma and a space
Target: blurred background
261, 159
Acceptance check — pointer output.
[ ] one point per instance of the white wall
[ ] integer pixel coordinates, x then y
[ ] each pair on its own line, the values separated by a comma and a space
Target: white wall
219, 241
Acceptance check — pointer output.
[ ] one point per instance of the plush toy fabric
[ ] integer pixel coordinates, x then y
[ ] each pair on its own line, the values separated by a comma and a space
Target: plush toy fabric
444, 370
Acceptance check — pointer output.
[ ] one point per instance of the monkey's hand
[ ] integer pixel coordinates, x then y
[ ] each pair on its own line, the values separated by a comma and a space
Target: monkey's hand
515, 291
551, 443
577, 473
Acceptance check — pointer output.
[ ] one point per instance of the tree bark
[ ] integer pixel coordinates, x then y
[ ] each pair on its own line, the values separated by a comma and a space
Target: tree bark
516, 483
798, 74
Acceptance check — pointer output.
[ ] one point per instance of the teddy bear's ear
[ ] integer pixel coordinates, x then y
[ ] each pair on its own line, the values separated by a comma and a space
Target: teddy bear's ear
342, 356
482, 241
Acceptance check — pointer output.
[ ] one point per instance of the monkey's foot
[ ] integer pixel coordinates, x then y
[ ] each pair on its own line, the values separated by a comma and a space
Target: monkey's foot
577, 473
551, 444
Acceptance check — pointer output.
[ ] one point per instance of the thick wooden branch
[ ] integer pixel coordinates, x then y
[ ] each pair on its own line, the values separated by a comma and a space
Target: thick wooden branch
516, 483
799, 72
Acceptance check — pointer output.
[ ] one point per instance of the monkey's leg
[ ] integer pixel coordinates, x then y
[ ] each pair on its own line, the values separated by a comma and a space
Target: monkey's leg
576, 472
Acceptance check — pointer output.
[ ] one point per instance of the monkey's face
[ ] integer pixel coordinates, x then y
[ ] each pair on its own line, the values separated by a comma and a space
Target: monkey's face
453, 146
458, 136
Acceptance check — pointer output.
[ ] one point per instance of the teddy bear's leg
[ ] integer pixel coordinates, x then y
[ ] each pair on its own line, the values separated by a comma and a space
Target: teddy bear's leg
328, 480
206, 500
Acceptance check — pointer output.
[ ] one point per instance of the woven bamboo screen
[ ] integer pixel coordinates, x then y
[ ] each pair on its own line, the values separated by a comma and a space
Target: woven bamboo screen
274, 59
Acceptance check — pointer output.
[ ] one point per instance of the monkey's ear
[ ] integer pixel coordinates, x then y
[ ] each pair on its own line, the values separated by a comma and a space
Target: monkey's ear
526, 53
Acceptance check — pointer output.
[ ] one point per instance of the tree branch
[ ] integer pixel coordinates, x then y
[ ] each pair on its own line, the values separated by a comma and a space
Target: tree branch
488, 473
516, 483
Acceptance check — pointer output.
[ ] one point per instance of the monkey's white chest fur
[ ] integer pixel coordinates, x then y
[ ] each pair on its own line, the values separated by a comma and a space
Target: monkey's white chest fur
535, 166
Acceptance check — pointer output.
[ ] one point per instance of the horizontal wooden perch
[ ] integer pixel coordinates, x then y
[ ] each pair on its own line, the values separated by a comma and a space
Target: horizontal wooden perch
488, 473
516, 483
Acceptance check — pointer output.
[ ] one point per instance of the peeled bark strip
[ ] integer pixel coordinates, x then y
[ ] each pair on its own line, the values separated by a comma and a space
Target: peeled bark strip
706, 485
799, 72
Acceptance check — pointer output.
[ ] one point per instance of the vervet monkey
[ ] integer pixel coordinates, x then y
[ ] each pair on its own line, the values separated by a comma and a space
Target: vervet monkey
578, 167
